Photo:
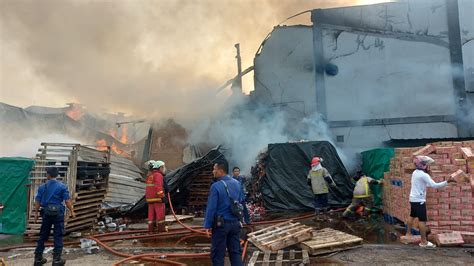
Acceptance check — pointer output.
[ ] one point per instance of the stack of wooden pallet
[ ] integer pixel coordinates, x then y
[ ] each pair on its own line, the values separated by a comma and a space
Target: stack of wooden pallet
292, 257
199, 190
281, 235
329, 240
85, 171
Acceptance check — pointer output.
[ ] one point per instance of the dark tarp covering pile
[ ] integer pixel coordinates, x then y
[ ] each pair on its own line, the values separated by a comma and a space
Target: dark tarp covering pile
14, 173
374, 163
179, 181
285, 188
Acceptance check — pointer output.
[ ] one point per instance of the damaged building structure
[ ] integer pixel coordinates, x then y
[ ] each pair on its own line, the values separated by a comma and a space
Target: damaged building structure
376, 73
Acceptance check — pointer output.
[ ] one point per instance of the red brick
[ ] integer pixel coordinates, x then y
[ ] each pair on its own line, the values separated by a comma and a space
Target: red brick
432, 223
459, 162
460, 228
448, 150
442, 206
441, 223
443, 161
467, 212
445, 200
466, 152
466, 188
456, 155
457, 218
466, 194
432, 212
455, 206
425, 150
454, 194
449, 239
466, 200
442, 194
432, 201
449, 168
464, 222
468, 237
459, 176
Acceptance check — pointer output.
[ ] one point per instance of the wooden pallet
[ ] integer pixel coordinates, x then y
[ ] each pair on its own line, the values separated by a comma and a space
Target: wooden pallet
280, 236
292, 257
87, 194
329, 240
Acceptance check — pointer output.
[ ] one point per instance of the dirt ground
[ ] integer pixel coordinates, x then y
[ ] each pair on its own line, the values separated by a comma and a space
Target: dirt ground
370, 253
381, 247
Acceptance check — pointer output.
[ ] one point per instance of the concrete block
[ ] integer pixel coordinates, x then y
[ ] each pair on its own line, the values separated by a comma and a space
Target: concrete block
449, 239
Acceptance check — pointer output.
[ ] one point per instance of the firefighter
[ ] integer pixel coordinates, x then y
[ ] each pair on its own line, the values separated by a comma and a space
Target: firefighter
318, 178
155, 193
362, 195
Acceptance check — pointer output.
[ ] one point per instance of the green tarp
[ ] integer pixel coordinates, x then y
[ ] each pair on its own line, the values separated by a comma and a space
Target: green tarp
14, 173
374, 163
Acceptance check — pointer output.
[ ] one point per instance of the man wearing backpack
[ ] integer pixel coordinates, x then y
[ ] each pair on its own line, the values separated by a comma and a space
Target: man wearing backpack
50, 198
224, 215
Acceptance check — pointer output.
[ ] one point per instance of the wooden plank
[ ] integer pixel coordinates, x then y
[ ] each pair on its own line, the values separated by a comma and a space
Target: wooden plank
268, 228
254, 258
276, 230
266, 258
279, 258
305, 257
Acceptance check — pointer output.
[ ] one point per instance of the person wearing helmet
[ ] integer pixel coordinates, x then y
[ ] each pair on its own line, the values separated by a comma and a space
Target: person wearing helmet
362, 195
318, 178
420, 179
155, 193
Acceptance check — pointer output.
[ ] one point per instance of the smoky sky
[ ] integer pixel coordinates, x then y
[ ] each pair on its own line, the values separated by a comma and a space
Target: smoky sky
149, 58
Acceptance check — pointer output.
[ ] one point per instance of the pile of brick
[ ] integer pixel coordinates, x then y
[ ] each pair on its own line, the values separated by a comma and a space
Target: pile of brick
448, 208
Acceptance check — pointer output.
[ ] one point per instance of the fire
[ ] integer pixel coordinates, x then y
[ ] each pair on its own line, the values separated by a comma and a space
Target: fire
119, 151
123, 137
75, 112
101, 145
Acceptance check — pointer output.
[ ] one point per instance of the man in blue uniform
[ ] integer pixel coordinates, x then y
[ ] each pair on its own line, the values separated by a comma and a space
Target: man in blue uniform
236, 175
50, 198
219, 217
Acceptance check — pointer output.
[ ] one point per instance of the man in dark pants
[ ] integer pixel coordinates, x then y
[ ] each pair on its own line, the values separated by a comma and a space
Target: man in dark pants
50, 198
236, 175
225, 225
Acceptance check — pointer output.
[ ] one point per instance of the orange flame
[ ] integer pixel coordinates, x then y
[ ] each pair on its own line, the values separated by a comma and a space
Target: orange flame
123, 137
101, 145
75, 112
118, 151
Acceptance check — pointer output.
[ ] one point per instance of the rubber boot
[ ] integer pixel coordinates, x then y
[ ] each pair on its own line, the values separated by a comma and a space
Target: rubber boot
39, 260
151, 226
57, 261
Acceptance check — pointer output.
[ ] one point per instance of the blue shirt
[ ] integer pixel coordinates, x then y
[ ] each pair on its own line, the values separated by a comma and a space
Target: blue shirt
52, 192
218, 202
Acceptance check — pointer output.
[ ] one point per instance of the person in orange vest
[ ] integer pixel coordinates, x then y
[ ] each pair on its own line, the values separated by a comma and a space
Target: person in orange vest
155, 193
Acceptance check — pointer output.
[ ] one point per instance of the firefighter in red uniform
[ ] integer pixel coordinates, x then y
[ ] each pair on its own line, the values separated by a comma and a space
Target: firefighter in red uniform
155, 193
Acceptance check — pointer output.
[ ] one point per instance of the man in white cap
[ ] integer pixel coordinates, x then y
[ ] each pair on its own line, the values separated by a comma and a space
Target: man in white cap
420, 179
155, 193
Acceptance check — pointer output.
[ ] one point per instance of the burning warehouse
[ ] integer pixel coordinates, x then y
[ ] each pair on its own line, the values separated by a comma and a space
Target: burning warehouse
328, 99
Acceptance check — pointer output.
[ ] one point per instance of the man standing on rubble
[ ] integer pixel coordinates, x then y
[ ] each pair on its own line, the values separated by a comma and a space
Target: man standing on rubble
155, 193
318, 178
420, 179
50, 198
220, 216
236, 175
362, 195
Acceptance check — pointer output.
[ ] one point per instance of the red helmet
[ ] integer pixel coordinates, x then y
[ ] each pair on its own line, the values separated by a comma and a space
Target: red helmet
315, 161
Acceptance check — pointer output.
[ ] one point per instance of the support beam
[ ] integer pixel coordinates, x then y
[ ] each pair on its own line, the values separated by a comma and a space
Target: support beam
319, 64
457, 66
393, 121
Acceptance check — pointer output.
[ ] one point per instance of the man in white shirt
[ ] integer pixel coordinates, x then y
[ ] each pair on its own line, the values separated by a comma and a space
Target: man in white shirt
420, 179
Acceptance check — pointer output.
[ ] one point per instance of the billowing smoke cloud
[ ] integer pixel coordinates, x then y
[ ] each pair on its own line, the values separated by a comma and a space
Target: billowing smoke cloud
153, 58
